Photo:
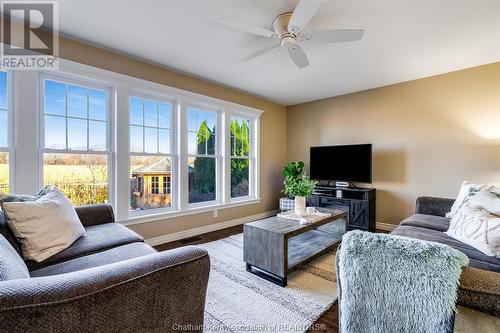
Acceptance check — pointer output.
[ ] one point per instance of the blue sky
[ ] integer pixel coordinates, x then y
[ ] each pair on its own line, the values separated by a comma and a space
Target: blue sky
196, 117
75, 119
80, 112
150, 126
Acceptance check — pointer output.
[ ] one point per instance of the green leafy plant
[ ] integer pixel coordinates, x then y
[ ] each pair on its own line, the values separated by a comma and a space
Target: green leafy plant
301, 186
293, 169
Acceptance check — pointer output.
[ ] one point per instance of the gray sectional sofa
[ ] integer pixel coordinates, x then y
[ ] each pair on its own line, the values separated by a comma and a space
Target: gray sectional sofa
480, 282
109, 280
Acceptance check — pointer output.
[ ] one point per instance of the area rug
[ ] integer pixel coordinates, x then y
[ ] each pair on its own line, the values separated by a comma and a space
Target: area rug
238, 301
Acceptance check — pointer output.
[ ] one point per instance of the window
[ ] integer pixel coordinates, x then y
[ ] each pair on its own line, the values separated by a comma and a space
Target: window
76, 145
155, 185
202, 159
240, 156
4, 134
151, 152
166, 185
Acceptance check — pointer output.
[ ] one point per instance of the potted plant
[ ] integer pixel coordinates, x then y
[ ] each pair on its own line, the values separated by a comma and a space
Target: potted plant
297, 186
293, 170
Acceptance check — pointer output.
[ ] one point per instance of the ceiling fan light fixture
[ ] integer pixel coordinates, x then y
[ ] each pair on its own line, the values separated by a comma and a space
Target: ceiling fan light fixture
289, 28
288, 42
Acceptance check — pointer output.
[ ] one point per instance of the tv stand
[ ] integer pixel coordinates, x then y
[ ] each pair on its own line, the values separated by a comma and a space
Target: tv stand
336, 184
359, 203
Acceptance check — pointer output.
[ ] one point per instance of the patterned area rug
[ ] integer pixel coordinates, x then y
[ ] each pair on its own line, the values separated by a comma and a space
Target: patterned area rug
238, 301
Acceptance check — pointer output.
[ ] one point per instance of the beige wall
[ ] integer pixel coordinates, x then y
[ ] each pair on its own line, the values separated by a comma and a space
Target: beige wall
428, 135
273, 130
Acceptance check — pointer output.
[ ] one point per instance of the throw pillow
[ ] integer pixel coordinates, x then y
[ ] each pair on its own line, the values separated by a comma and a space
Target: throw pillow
44, 227
23, 197
463, 195
477, 228
486, 200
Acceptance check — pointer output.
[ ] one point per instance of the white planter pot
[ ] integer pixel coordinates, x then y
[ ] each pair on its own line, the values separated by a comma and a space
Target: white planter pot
300, 206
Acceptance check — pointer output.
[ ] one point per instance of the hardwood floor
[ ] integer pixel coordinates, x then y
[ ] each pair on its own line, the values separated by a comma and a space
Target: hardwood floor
205, 238
328, 322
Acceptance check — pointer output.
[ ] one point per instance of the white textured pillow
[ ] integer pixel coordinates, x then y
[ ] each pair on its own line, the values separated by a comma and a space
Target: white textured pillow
465, 189
477, 228
44, 227
486, 200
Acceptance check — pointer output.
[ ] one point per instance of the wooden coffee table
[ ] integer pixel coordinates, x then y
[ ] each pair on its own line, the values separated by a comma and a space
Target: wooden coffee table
275, 247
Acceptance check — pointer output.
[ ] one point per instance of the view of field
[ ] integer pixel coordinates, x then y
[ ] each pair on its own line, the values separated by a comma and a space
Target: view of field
83, 178
4, 172
4, 178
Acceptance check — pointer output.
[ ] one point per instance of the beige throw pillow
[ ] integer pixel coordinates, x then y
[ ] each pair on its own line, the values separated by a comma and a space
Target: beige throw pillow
477, 228
486, 200
44, 227
463, 195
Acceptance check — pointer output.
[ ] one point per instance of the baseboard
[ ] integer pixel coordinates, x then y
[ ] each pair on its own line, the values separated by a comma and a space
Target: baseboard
385, 226
208, 228
231, 223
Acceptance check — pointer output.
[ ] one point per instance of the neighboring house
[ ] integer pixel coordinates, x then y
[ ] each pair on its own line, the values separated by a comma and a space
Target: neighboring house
152, 184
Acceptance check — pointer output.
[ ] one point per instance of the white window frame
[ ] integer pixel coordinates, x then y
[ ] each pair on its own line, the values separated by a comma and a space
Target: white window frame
10, 131
167, 184
217, 156
89, 83
155, 96
29, 153
252, 157
157, 183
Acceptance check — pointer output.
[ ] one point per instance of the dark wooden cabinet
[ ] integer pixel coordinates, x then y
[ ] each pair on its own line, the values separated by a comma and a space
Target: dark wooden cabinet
359, 203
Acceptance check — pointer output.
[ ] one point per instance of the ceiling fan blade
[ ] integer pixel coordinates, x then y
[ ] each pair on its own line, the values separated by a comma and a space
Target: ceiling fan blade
249, 28
260, 52
302, 14
298, 56
336, 36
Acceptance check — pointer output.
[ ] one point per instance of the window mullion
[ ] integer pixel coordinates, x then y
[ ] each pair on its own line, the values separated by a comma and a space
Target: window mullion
143, 129
88, 120
226, 156
66, 112
158, 128
182, 136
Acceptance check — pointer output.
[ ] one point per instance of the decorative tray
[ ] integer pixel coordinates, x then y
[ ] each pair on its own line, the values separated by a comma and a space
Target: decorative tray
306, 219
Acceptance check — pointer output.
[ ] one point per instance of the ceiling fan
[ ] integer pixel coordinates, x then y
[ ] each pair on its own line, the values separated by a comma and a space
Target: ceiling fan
288, 32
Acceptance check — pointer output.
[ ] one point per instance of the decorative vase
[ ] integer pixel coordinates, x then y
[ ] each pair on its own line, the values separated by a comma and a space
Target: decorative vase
287, 204
300, 206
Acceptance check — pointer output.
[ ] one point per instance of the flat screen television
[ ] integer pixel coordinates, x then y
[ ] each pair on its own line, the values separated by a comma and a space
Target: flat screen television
348, 163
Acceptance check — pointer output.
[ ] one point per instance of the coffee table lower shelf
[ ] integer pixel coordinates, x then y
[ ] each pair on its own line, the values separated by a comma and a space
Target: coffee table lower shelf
305, 247
300, 250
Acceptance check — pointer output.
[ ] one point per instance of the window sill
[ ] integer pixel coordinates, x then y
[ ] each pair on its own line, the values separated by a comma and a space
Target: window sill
190, 211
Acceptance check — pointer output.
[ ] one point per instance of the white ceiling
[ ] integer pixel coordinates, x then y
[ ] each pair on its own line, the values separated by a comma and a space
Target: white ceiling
404, 40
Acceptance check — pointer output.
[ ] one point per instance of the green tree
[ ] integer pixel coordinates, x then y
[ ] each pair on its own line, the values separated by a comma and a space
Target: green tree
240, 146
204, 175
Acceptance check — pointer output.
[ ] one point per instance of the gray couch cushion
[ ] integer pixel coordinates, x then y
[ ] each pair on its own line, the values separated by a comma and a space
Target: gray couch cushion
95, 239
95, 214
113, 255
7, 233
11, 264
477, 258
433, 222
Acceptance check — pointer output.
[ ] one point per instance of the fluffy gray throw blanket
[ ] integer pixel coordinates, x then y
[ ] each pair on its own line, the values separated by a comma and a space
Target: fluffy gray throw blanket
393, 284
